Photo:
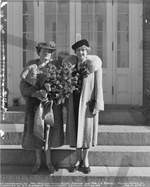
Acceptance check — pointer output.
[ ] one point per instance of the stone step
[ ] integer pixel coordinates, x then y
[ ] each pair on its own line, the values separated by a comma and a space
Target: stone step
113, 114
136, 156
123, 117
14, 117
123, 135
99, 176
107, 134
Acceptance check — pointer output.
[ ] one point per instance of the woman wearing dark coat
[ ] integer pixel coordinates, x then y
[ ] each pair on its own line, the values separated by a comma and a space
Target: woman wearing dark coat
33, 97
84, 106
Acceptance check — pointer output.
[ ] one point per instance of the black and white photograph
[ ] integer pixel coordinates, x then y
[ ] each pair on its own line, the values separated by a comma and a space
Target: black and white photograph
75, 93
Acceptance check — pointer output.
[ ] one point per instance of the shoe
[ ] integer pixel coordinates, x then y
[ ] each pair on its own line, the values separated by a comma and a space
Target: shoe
80, 166
51, 168
56, 167
74, 168
86, 170
36, 168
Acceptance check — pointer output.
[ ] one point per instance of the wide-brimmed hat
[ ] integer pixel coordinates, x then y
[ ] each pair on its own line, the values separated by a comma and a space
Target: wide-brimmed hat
80, 43
51, 46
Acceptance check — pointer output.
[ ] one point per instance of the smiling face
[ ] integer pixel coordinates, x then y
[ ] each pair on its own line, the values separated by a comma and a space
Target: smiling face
82, 53
45, 54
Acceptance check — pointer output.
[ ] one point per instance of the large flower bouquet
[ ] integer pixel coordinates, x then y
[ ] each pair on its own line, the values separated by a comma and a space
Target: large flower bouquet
54, 82
58, 82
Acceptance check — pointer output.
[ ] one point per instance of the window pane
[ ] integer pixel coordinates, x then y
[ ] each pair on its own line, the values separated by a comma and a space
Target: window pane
123, 22
122, 40
28, 21
123, 35
28, 7
123, 6
50, 23
50, 8
63, 7
87, 7
122, 59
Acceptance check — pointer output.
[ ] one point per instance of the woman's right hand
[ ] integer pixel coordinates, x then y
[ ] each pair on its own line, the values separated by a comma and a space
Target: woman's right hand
40, 94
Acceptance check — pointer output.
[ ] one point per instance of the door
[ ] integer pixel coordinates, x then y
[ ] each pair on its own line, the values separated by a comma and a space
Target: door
122, 82
127, 52
114, 30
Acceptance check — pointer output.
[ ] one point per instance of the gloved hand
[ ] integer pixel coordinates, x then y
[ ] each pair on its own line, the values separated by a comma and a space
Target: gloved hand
47, 87
40, 94
95, 111
84, 72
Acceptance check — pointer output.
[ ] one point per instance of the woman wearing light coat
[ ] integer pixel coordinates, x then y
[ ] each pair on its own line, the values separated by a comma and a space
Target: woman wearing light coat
84, 107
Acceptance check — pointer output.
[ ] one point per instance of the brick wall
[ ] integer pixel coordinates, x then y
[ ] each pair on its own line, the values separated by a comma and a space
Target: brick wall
146, 50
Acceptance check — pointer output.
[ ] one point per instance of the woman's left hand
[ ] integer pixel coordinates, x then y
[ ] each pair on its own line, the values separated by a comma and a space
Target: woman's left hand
95, 111
84, 72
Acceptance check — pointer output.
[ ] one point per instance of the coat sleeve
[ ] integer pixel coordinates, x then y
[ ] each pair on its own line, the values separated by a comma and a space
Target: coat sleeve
26, 89
99, 105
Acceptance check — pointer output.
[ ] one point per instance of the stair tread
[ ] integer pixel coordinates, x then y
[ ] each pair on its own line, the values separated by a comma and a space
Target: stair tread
18, 127
111, 115
97, 171
99, 148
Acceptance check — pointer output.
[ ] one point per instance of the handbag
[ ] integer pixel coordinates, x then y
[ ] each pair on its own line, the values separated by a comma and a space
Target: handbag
92, 105
92, 101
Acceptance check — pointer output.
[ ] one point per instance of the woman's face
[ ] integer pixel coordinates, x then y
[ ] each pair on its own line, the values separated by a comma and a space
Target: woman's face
81, 53
45, 54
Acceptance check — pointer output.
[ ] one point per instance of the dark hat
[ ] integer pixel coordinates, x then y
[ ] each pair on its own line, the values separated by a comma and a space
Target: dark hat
51, 46
80, 43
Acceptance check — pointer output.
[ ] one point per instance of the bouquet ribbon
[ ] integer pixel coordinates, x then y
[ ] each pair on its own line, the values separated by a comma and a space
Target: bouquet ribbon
44, 117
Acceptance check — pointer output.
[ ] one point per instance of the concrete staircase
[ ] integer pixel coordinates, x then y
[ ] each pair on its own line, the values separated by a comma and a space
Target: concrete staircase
121, 159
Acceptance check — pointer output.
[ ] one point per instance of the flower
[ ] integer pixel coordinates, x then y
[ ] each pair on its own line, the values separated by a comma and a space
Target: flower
79, 75
84, 71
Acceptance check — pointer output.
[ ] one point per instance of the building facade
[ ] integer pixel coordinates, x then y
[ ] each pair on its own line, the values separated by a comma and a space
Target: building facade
118, 32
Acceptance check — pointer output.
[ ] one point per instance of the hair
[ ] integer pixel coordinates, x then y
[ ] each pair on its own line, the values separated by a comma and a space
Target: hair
87, 48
